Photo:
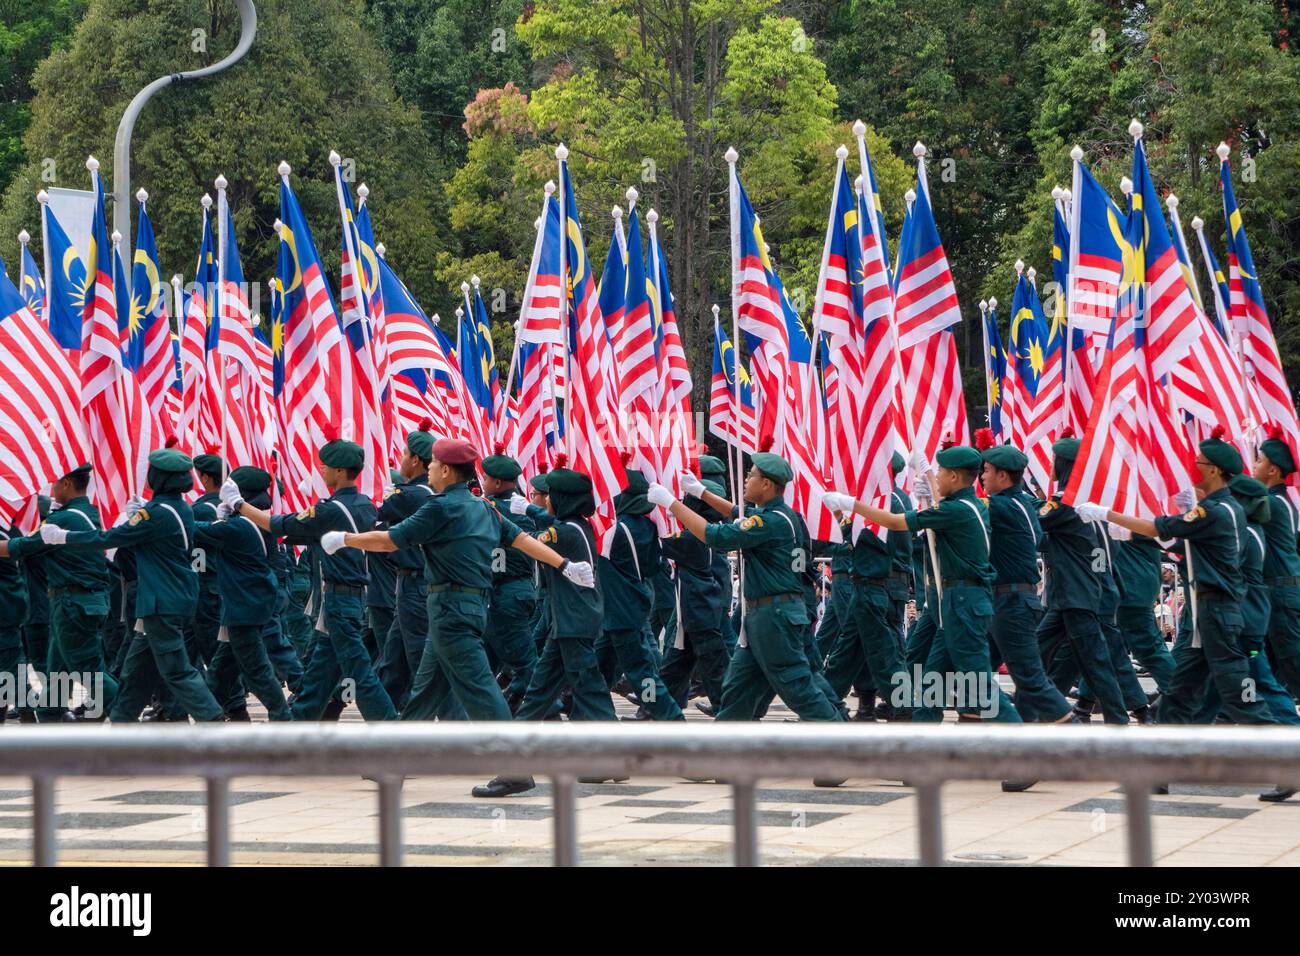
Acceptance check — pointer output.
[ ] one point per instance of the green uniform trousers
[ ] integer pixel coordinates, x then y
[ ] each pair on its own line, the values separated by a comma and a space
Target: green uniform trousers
76, 646
960, 647
340, 654
1219, 659
453, 666
634, 653
510, 630
243, 655
571, 662
1129, 685
11, 656
703, 651
157, 660
1072, 643
868, 642
379, 623
1143, 637
36, 648
1284, 636
279, 650
775, 662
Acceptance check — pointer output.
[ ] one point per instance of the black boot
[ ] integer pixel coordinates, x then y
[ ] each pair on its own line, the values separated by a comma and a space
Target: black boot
239, 714
503, 786
333, 709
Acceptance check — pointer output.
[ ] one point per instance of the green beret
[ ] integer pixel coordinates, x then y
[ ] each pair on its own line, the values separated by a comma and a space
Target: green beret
960, 457
250, 480
420, 444
1006, 457
342, 454
1253, 497
171, 460
83, 470
1222, 455
773, 466
540, 484
896, 464
567, 482
209, 464
714, 487
632, 500
501, 466
1276, 451
712, 467
1066, 449
636, 482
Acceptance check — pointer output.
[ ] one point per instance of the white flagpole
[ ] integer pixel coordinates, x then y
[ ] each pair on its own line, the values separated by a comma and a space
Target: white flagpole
733, 189
561, 154
223, 214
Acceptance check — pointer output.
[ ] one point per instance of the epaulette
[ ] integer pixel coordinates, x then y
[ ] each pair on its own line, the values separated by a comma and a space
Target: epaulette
141, 515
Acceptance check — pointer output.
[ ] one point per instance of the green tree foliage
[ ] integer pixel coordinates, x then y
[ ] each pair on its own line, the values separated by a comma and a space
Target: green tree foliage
314, 81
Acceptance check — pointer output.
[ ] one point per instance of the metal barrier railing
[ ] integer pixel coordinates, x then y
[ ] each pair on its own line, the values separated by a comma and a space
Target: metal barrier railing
739, 754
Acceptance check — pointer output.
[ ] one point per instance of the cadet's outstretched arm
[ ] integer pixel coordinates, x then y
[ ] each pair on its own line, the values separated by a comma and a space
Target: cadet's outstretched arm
369, 541
886, 519
1137, 525
256, 515
537, 551
692, 522
719, 504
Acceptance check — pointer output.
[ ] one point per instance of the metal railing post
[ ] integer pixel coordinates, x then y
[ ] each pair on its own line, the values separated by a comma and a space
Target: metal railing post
745, 812
929, 821
390, 821
44, 823
566, 820
1137, 802
218, 821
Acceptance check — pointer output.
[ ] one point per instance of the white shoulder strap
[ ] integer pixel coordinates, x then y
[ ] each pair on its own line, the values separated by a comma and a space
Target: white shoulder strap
260, 538
1258, 540
591, 558
346, 512
1028, 520
632, 546
980, 518
82, 515
179, 523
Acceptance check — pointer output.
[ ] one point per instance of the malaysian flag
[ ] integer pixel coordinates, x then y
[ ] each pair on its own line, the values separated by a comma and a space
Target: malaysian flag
1250, 321
199, 304
30, 285
41, 433
590, 402
675, 418
65, 282
415, 358
538, 337
1029, 358
735, 423
478, 366
368, 255
637, 360
996, 378
149, 353
304, 334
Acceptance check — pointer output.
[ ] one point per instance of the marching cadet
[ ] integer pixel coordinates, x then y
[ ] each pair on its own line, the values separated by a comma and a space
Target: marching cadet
625, 642
901, 580
160, 535
36, 629
512, 605
962, 543
248, 601
339, 653
381, 597
712, 469
78, 592
1017, 610
1214, 533
694, 642
1073, 591
770, 657
1137, 572
210, 470
13, 614
1276, 462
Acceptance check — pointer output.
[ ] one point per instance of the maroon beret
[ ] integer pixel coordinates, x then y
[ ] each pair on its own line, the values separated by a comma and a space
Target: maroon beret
453, 451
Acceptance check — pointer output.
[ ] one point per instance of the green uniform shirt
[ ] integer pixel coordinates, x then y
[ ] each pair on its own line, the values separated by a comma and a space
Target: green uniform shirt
1280, 558
63, 567
961, 527
1070, 550
205, 510
1137, 571
13, 592
400, 505
575, 611
701, 591
161, 538
244, 575
1256, 606
900, 542
1013, 517
346, 510
456, 532
771, 544
1109, 600
634, 555
518, 564
1216, 532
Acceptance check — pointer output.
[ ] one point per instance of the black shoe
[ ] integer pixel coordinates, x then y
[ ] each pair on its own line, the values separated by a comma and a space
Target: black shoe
1084, 716
504, 786
623, 687
895, 715
333, 709
240, 714
697, 690
867, 716
1160, 789
828, 781
513, 700
504, 678
150, 713
641, 714
566, 703
224, 719
1143, 715
1152, 698
603, 779
29, 716
1017, 786
1278, 794
78, 715
706, 709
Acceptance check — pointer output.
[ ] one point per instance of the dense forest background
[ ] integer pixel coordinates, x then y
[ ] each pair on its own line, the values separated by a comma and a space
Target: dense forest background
451, 109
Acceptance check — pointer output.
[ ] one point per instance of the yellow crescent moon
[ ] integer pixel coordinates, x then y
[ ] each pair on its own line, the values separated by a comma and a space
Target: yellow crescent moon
578, 267
287, 237
69, 257
372, 264
150, 270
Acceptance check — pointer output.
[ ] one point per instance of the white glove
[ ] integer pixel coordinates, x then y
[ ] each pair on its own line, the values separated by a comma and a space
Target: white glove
836, 501
920, 464
1185, 500
659, 495
331, 541
223, 511
580, 573
230, 495
1090, 512
1117, 533
133, 504
691, 486
389, 488
53, 534
518, 505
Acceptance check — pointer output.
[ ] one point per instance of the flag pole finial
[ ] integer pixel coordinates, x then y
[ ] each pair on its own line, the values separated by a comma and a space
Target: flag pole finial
464, 287
1125, 185
278, 226
1223, 150
23, 236
176, 281
1076, 154
910, 195
1067, 195
716, 310
1033, 274
993, 302
220, 182
561, 152
1171, 201
537, 224
141, 196
984, 305
919, 149
116, 237
284, 169
857, 183
1057, 192
842, 153
363, 191
380, 250
652, 217
437, 319
616, 213
1020, 266
92, 164
460, 313
631, 195
549, 188
206, 201
335, 158
1135, 129
731, 155
42, 197
1198, 223
859, 128
475, 281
